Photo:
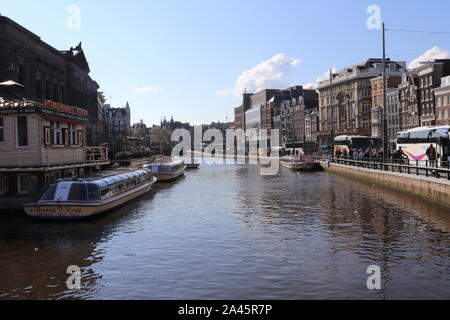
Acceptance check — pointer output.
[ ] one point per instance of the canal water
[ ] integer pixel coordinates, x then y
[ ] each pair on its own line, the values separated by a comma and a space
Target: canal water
226, 232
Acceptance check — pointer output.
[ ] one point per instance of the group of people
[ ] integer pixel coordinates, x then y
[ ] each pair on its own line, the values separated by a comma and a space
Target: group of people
360, 154
398, 156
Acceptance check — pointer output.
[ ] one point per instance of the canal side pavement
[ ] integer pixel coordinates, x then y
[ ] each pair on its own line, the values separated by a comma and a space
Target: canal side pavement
428, 188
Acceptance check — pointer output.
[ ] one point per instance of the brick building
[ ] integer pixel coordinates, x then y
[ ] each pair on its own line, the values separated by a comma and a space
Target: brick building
409, 103
378, 100
392, 117
442, 96
118, 123
347, 111
429, 77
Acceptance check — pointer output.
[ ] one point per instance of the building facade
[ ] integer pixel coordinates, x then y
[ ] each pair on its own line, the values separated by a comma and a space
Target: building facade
378, 101
409, 102
429, 78
392, 117
239, 118
346, 99
311, 125
118, 123
40, 143
442, 96
139, 130
47, 73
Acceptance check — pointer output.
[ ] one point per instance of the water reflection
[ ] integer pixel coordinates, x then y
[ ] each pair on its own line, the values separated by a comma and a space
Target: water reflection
226, 232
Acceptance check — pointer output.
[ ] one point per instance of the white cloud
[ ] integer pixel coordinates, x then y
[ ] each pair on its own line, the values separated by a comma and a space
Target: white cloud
326, 75
147, 89
309, 85
267, 74
431, 55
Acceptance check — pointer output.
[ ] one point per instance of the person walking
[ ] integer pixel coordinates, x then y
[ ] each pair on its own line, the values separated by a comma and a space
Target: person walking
432, 156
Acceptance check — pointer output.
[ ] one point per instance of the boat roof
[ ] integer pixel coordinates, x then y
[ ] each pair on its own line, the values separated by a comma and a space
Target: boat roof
107, 178
168, 162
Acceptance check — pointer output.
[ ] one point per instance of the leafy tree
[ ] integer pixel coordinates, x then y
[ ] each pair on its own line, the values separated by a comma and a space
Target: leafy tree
160, 135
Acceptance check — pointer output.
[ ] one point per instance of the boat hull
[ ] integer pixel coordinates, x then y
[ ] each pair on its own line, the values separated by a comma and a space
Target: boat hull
79, 210
193, 166
166, 177
302, 166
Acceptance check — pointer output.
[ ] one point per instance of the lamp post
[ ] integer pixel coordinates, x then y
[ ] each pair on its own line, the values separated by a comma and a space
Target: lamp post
384, 94
331, 114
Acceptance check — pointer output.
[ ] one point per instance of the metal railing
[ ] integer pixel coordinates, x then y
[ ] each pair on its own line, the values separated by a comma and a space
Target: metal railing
427, 168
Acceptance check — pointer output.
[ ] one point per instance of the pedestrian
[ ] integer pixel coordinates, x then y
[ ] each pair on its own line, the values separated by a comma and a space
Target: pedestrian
432, 156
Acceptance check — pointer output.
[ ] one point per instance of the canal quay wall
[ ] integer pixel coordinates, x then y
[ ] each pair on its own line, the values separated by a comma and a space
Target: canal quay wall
428, 188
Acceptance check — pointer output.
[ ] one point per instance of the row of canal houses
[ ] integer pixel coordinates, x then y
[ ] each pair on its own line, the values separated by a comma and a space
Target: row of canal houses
349, 101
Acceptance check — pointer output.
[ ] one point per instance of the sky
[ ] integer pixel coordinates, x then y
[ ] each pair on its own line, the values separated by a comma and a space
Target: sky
193, 59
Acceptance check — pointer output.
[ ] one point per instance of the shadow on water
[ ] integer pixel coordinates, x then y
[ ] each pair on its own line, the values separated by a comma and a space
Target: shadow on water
35, 254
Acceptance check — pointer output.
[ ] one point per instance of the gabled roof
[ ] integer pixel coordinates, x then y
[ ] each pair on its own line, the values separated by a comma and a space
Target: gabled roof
77, 55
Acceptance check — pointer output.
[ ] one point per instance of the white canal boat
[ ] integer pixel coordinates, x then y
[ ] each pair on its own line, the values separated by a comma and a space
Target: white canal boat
87, 197
300, 164
166, 169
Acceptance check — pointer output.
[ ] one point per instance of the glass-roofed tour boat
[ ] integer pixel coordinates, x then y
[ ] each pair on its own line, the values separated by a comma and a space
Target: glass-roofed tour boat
166, 169
87, 197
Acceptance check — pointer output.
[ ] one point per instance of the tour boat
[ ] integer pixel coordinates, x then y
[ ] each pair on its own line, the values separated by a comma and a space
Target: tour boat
166, 169
300, 164
192, 165
80, 198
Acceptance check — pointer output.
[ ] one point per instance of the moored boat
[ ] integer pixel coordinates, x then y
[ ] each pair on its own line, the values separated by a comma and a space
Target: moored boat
167, 169
192, 164
300, 164
87, 197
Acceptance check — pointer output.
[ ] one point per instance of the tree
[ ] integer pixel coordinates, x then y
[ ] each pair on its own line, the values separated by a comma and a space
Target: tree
160, 135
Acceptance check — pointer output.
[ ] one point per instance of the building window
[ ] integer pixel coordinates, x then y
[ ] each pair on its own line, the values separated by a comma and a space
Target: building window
1, 131
72, 135
55, 134
38, 88
2, 184
20, 74
22, 131
23, 183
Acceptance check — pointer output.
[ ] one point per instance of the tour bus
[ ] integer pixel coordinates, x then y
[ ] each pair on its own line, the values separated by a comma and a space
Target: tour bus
415, 142
345, 143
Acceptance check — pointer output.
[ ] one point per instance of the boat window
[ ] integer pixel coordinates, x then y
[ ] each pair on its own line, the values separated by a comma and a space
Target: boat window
78, 192
104, 193
93, 192
49, 193
164, 169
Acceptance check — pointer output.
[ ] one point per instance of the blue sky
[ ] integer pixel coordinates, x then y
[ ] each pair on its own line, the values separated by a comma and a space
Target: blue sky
183, 54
